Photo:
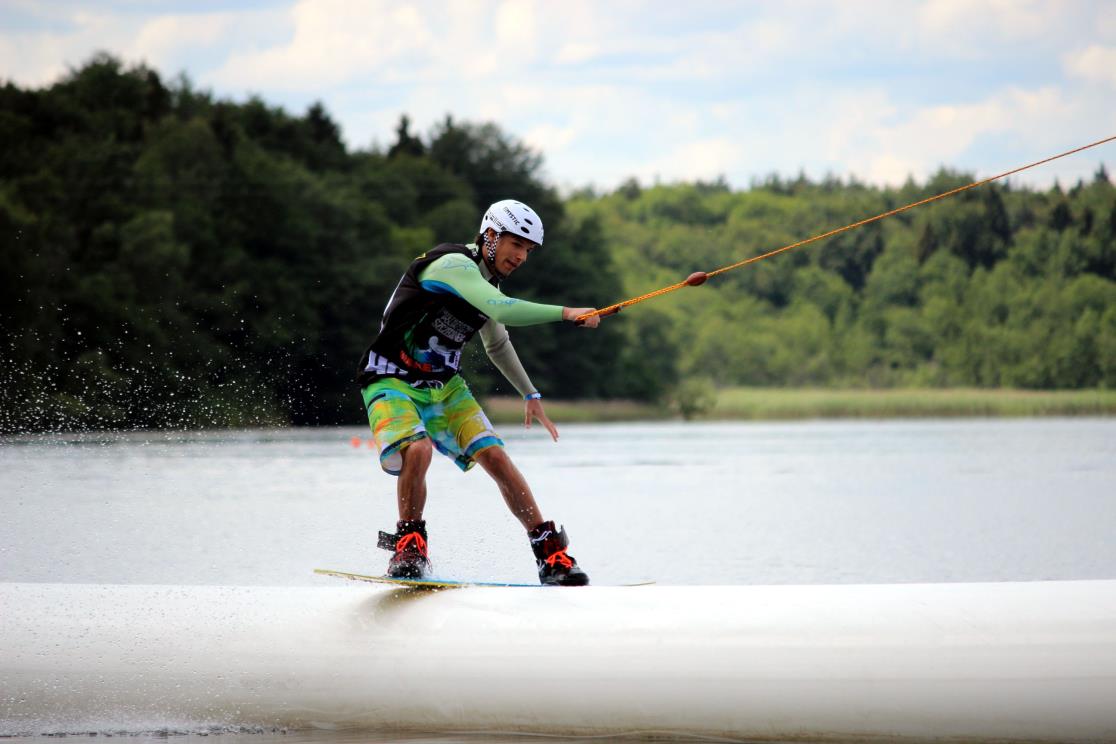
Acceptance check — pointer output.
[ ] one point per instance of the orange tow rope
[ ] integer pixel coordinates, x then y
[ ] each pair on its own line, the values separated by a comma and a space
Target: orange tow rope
699, 277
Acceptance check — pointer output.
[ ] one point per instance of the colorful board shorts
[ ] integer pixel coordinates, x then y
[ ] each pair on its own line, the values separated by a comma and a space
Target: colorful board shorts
399, 414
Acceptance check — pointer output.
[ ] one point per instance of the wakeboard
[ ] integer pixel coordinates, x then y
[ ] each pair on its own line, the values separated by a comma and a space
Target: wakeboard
431, 583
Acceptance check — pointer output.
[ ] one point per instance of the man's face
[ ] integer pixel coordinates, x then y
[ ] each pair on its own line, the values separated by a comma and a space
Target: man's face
511, 251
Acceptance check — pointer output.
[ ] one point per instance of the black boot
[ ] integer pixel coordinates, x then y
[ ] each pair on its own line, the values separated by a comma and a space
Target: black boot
411, 560
555, 566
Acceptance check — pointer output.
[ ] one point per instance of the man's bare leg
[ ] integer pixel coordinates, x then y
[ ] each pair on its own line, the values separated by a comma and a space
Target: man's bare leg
411, 559
410, 488
513, 486
548, 542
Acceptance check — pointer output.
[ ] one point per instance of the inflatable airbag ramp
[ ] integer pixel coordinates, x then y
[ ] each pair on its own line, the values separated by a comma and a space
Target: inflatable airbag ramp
1026, 661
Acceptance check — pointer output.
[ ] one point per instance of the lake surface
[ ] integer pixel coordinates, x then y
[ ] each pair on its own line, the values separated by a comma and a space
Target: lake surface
723, 503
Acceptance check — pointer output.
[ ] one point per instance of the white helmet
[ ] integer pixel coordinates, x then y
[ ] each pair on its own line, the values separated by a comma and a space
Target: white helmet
513, 216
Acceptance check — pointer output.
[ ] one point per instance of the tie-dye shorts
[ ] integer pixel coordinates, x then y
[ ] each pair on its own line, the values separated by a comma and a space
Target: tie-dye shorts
399, 414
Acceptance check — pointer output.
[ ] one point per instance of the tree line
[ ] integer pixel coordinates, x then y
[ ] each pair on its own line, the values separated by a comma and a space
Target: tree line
994, 287
172, 259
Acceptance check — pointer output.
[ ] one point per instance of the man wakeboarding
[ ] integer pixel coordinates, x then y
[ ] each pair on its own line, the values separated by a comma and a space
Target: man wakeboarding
417, 401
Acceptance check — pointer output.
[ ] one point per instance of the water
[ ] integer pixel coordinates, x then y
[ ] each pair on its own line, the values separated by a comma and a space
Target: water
731, 503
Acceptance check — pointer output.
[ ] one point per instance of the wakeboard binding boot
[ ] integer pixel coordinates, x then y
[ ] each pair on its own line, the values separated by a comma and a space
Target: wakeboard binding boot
411, 559
556, 566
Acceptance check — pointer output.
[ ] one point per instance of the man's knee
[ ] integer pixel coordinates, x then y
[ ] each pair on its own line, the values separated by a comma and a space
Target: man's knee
418, 451
493, 457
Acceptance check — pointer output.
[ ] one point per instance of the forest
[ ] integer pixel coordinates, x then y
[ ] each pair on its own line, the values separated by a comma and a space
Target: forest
174, 260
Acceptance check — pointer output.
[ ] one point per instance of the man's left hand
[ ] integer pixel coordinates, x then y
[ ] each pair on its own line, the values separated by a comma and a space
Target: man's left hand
534, 410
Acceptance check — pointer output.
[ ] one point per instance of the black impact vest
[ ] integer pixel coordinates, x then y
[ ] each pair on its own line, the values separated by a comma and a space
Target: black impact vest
422, 333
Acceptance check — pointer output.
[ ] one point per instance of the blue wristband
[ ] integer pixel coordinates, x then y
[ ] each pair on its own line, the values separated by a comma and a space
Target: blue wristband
532, 396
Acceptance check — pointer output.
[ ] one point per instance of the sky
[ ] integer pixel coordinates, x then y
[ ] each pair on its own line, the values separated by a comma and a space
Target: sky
660, 91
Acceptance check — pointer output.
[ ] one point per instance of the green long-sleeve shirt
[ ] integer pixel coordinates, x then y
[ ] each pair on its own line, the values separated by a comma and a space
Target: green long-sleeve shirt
457, 274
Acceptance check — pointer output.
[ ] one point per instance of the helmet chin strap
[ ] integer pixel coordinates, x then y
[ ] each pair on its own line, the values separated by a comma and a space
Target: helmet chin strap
490, 256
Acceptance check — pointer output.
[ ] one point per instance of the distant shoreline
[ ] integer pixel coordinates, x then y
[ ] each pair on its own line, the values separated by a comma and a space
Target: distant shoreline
731, 404
780, 404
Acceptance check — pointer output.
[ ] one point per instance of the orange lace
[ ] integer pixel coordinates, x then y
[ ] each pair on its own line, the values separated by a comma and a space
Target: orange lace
560, 557
407, 539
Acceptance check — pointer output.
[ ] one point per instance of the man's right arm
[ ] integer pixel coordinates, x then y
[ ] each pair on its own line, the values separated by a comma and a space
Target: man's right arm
458, 275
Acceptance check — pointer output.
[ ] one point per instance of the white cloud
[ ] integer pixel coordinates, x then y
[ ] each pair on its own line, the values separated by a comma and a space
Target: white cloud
515, 29
608, 90
29, 61
1012, 19
1095, 62
38, 58
549, 138
577, 52
888, 168
158, 37
332, 42
41, 57
1024, 124
870, 135
703, 159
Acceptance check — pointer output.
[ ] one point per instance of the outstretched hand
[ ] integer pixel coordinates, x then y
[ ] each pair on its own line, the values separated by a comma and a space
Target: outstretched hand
534, 410
573, 313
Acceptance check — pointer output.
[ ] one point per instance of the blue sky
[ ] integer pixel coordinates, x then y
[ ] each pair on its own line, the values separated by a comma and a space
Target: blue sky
643, 88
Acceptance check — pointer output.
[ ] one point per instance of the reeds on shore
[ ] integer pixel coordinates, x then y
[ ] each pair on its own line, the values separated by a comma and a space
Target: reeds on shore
816, 403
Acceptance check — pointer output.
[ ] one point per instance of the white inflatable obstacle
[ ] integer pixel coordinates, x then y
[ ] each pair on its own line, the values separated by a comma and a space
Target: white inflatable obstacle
1034, 661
